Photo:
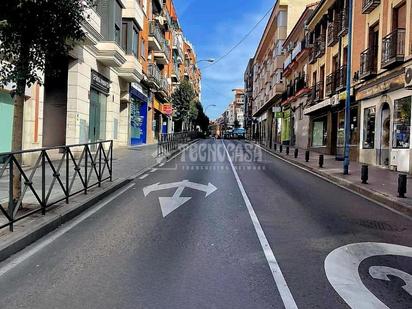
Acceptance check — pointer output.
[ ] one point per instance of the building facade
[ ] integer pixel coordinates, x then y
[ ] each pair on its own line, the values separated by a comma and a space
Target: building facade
115, 85
386, 91
268, 84
248, 80
293, 123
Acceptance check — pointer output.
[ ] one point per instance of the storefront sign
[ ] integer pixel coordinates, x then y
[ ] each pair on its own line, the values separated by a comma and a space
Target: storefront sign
390, 84
279, 115
137, 94
167, 109
156, 104
100, 82
318, 106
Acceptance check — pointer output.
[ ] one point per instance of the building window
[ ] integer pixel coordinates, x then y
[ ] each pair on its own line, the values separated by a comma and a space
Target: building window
402, 123
124, 36
135, 42
117, 35
142, 49
369, 118
320, 132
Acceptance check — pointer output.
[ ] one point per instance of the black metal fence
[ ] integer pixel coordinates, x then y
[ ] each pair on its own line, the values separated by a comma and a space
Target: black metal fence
57, 174
168, 142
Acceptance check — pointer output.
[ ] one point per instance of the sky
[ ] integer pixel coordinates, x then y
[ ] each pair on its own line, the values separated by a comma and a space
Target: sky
214, 27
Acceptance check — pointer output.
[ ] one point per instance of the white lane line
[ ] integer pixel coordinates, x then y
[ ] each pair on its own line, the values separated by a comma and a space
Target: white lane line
44, 242
143, 176
153, 170
280, 281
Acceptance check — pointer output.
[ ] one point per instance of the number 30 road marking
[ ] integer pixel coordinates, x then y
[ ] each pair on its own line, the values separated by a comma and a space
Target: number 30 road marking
342, 271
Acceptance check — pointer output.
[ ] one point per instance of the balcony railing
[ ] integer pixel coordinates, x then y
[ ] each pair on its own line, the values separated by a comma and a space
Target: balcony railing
343, 23
393, 48
319, 90
341, 78
368, 63
321, 45
154, 74
369, 5
332, 33
330, 84
312, 54
154, 31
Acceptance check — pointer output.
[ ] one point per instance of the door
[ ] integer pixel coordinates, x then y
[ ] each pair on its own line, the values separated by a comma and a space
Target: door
384, 148
97, 116
138, 122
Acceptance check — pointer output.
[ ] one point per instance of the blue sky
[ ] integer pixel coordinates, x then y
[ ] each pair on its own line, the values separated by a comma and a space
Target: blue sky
215, 26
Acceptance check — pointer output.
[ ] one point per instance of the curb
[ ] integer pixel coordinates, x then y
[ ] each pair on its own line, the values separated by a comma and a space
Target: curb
48, 223
389, 202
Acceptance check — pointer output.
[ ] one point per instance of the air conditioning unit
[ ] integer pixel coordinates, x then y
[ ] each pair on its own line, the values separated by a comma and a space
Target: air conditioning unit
408, 77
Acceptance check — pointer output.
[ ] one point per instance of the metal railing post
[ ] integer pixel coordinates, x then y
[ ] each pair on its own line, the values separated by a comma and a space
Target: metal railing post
86, 147
11, 193
43, 183
67, 175
100, 164
111, 160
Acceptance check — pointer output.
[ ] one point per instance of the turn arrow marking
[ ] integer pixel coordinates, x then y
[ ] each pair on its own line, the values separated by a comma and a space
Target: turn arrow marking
169, 204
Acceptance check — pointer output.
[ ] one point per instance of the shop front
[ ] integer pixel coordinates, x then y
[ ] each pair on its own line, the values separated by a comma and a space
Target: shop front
138, 117
385, 123
99, 91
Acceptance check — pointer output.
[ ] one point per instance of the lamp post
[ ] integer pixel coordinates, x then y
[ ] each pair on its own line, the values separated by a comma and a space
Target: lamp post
210, 60
348, 87
210, 105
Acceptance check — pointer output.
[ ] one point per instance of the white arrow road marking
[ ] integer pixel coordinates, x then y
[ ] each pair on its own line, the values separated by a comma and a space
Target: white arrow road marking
169, 204
342, 270
382, 273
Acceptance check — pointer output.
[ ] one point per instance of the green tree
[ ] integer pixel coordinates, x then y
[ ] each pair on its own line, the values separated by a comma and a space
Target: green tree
34, 34
201, 119
182, 99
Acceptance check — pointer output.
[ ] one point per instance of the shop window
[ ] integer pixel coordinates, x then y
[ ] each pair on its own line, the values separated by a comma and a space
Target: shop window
402, 123
369, 119
320, 132
135, 42
353, 139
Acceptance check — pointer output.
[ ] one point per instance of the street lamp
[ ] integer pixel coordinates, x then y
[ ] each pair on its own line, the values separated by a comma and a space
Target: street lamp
210, 60
210, 105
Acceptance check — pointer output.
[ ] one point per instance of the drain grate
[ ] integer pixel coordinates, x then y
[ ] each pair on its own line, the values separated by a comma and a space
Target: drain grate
380, 225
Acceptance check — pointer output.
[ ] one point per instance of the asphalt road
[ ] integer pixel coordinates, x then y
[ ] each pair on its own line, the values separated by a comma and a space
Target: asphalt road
259, 239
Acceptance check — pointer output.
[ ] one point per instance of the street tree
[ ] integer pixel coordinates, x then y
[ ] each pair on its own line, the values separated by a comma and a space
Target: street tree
34, 34
182, 99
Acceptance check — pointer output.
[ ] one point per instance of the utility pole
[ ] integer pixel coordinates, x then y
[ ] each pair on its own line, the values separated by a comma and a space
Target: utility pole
346, 160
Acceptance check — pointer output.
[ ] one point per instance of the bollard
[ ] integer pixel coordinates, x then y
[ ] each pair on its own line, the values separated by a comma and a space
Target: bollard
280, 148
296, 153
275, 146
321, 160
402, 179
287, 150
307, 156
364, 174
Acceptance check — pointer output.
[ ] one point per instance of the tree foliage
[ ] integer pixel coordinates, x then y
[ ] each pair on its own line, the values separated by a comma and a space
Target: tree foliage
201, 119
182, 99
35, 33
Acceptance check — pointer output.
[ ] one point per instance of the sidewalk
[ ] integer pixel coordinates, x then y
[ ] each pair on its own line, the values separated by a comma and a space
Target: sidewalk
382, 185
128, 163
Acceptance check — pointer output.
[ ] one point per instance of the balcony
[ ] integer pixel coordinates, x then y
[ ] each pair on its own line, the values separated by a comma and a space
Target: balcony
341, 78
134, 11
163, 56
312, 54
92, 26
110, 54
177, 48
368, 63
156, 37
154, 75
393, 48
343, 23
131, 70
320, 46
319, 90
369, 5
333, 37
175, 73
330, 85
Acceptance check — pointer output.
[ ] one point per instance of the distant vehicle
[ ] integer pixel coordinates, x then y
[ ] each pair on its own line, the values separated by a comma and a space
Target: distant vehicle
238, 133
